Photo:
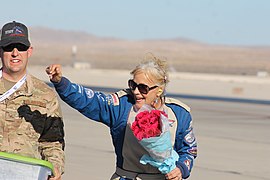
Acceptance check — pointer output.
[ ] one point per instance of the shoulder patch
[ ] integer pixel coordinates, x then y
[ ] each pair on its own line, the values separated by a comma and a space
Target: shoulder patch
115, 99
116, 96
175, 101
121, 93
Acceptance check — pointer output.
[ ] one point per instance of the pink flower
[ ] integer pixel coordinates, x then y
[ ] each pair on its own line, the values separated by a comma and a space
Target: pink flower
147, 124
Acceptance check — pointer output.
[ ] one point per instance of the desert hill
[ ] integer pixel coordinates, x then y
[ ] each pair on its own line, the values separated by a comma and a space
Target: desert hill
55, 46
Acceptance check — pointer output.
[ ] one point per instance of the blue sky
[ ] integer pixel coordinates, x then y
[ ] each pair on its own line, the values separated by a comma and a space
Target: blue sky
229, 22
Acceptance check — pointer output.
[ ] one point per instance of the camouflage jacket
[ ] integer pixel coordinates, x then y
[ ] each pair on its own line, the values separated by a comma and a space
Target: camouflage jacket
31, 122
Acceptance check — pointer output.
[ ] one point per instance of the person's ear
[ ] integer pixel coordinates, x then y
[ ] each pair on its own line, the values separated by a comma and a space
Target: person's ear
30, 51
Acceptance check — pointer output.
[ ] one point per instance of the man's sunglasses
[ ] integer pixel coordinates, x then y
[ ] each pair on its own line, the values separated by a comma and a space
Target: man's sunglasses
144, 89
20, 47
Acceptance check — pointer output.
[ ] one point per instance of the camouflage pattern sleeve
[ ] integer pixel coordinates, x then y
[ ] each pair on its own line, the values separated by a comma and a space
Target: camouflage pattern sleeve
52, 138
53, 152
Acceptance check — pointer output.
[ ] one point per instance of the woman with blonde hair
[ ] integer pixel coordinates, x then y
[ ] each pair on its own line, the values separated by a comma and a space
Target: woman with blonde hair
117, 111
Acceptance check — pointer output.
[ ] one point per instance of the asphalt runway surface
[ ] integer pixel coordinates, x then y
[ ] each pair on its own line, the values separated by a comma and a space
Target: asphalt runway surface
233, 141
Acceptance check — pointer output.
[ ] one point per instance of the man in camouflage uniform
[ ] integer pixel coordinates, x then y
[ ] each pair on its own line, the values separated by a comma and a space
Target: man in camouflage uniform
30, 116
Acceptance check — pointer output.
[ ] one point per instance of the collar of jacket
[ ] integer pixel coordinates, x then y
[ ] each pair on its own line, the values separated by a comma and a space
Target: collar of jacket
25, 90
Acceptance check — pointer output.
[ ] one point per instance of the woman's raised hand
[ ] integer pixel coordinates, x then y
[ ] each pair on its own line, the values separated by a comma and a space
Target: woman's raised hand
55, 72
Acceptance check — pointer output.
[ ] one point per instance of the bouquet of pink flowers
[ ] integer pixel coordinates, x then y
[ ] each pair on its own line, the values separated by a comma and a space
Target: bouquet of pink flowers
147, 124
151, 128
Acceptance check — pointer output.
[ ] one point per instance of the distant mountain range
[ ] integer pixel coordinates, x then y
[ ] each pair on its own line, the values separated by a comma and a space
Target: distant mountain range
55, 46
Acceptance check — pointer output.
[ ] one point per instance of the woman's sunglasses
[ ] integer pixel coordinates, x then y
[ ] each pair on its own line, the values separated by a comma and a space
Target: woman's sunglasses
144, 89
20, 47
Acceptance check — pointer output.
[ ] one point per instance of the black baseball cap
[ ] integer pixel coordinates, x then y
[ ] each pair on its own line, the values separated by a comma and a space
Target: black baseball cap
14, 32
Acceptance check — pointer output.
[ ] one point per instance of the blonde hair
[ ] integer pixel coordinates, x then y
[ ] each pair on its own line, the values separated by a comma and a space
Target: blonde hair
155, 69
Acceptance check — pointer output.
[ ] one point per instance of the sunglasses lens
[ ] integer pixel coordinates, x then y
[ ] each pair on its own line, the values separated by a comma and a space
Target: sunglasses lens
20, 47
7, 48
132, 85
144, 89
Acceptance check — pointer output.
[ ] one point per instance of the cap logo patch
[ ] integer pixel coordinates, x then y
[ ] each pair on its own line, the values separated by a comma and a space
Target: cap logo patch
15, 31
